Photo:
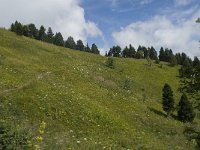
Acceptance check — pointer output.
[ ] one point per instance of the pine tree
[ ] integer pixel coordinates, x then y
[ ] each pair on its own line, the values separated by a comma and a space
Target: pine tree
70, 43
94, 49
80, 46
58, 40
167, 99
12, 27
33, 31
87, 48
18, 28
42, 34
25, 30
173, 61
49, 37
185, 111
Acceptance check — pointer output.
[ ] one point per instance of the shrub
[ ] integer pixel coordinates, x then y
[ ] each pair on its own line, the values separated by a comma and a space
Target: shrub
110, 63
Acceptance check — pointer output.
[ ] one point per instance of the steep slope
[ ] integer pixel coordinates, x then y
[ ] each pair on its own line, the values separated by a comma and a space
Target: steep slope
83, 102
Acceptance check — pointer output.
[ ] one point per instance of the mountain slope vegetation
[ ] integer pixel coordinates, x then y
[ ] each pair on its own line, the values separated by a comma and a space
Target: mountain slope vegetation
84, 103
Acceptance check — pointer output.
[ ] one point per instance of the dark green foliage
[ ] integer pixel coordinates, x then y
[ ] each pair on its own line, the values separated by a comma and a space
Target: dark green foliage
87, 48
185, 110
152, 53
196, 62
167, 99
140, 54
173, 61
18, 28
12, 27
80, 46
129, 52
198, 20
25, 30
186, 69
115, 51
70, 43
49, 37
94, 49
110, 63
33, 31
58, 39
165, 55
157, 61
42, 34
11, 138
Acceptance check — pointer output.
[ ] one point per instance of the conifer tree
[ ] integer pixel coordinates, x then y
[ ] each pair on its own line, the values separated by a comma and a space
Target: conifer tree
80, 46
87, 48
49, 37
167, 99
94, 49
42, 34
58, 39
70, 43
185, 110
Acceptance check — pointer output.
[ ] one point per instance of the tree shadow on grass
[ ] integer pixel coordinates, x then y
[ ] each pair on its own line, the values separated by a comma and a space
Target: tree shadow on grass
160, 113
157, 112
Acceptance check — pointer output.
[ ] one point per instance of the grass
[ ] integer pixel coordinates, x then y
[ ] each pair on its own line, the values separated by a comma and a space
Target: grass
82, 101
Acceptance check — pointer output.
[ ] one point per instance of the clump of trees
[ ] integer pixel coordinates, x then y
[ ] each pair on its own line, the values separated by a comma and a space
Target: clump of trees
31, 31
185, 110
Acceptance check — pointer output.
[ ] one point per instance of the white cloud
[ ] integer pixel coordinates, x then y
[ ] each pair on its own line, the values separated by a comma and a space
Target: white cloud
181, 36
65, 16
182, 2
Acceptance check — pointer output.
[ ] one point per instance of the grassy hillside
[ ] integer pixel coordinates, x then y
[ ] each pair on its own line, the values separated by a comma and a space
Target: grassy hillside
83, 102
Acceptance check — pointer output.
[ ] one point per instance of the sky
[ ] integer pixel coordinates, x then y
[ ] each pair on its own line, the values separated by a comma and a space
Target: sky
167, 23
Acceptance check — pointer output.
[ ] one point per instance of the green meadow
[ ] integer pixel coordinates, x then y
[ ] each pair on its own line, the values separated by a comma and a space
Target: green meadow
84, 103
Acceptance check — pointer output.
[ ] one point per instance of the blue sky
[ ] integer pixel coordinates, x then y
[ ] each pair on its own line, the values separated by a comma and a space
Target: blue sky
167, 23
115, 15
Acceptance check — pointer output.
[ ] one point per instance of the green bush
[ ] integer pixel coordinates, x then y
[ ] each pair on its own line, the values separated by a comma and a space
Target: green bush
110, 63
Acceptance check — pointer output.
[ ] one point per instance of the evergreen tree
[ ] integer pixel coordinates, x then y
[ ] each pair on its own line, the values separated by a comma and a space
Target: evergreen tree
153, 53
25, 30
185, 111
33, 31
58, 39
18, 28
12, 27
80, 46
139, 54
70, 43
115, 51
49, 37
162, 54
42, 34
173, 61
196, 62
94, 49
87, 48
132, 51
167, 99
125, 52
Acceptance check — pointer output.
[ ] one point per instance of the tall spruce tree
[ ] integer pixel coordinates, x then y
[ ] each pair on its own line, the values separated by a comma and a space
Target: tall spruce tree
167, 99
70, 43
58, 40
33, 31
49, 37
80, 46
42, 34
185, 110
94, 49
